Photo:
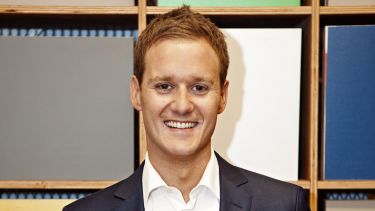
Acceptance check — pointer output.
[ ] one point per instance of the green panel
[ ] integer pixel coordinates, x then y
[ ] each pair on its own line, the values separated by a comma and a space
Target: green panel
229, 3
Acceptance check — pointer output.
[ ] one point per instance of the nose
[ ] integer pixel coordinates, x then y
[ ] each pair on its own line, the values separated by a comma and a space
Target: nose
182, 102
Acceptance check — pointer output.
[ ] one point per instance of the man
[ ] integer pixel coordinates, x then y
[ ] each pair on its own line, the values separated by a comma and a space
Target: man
180, 85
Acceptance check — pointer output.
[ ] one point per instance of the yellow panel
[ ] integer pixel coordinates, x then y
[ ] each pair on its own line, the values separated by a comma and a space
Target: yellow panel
33, 204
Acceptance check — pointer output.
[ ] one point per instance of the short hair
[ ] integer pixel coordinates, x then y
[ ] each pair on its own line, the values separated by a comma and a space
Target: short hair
185, 24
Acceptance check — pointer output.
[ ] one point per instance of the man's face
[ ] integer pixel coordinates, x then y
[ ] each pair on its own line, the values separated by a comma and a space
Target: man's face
180, 96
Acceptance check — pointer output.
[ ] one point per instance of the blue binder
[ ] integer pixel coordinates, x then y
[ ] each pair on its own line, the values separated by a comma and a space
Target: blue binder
349, 139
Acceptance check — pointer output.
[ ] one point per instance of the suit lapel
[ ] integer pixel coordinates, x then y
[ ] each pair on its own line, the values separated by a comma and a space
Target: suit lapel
132, 203
130, 192
232, 196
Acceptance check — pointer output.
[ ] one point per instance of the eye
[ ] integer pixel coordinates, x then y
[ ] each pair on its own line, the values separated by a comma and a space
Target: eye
164, 87
200, 89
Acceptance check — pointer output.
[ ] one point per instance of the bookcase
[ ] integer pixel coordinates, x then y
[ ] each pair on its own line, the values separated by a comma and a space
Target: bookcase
311, 16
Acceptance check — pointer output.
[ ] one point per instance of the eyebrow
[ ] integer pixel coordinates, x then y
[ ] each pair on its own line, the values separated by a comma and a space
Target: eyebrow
158, 78
168, 78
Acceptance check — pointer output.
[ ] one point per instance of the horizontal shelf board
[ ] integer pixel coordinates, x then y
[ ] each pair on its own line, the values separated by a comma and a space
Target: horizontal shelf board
66, 10
347, 184
303, 183
303, 10
34, 184
50, 184
346, 10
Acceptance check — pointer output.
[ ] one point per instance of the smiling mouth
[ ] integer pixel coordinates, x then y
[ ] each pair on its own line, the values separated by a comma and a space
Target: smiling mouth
180, 125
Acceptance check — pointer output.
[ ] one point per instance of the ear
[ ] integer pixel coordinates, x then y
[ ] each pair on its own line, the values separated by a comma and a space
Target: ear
223, 97
135, 93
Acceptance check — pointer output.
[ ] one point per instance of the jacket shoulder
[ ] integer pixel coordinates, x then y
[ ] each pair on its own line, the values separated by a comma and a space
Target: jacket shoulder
270, 191
113, 196
100, 200
265, 192
258, 182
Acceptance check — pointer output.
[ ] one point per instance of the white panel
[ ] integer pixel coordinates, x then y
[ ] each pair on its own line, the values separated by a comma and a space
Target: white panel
259, 130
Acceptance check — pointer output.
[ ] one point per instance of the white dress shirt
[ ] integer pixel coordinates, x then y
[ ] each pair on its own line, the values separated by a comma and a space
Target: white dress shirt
158, 196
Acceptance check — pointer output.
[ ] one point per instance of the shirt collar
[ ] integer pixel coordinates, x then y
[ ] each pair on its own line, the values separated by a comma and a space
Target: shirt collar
151, 179
210, 178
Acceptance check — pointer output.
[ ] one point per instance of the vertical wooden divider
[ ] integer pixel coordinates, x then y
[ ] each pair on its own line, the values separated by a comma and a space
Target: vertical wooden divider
314, 104
142, 23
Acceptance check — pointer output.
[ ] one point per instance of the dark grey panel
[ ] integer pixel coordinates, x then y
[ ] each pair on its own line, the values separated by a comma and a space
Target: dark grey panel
65, 111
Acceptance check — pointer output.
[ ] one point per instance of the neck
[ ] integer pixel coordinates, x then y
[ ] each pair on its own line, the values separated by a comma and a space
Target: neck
181, 172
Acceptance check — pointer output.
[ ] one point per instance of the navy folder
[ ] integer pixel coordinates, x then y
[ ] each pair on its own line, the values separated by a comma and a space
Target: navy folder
349, 136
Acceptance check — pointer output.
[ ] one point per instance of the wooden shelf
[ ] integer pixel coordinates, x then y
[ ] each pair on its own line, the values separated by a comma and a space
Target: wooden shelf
325, 10
347, 184
65, 10
40, 184
79, 184
303, 10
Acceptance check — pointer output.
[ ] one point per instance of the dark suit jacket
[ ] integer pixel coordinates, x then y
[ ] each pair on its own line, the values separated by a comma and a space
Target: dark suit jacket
239, 190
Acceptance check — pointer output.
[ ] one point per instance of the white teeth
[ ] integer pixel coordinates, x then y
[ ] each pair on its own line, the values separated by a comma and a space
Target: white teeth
180, 125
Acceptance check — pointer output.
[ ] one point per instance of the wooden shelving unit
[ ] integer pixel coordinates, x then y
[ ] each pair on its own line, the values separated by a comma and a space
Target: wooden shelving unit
311, 17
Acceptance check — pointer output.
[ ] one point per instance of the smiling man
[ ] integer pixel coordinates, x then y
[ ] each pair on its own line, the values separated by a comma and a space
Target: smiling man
180, 85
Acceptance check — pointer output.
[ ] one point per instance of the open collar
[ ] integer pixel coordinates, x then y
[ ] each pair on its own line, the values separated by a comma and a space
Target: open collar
151, 179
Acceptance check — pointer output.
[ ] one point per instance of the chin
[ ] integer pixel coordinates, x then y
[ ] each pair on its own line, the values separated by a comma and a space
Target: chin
179, 152
184, 150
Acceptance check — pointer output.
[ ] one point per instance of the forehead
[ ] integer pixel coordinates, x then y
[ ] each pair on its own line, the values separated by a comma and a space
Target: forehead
182, 57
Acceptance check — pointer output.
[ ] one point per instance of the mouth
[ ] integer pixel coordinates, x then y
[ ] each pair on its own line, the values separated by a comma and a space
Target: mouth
180, 125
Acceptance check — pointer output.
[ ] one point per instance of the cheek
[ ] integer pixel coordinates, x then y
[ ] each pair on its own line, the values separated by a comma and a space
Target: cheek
208, 108
153, 103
